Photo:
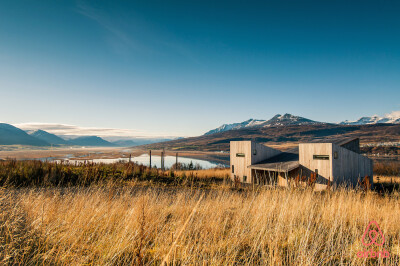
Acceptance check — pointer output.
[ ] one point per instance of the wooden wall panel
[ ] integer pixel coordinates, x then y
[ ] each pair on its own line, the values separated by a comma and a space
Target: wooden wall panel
241, 163
350, 166
306, 153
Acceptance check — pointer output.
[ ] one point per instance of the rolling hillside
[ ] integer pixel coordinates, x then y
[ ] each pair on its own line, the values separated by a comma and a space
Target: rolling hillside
10, 135
91, 141
48, 137
283, 134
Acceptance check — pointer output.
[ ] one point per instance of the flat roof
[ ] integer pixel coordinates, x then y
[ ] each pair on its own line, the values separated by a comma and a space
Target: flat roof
337, 141
289, 160
283, 162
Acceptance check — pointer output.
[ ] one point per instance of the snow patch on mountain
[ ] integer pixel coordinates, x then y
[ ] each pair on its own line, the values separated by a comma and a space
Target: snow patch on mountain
391, 118
244, 124
288, 120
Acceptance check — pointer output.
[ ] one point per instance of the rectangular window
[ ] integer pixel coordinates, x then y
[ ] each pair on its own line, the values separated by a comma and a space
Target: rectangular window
244, 178
233, 168
321, 157
335, 155
239, 154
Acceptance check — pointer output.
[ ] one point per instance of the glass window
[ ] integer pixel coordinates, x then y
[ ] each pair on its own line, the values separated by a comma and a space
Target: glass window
233, 168
244, 178
321, 157
239, 154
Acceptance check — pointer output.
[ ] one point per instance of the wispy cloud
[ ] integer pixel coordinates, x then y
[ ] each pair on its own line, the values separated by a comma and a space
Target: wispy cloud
109, 25
72, 130
394, 114
135, 34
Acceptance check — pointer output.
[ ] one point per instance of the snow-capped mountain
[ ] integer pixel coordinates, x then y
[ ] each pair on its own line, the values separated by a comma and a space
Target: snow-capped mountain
392, 118
277, 120
226, 127
288, 120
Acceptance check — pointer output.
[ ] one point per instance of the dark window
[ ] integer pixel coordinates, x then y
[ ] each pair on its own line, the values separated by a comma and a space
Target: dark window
244, 178
335, 155
254, 152
233, 168
239, 154
316, 172
321, 157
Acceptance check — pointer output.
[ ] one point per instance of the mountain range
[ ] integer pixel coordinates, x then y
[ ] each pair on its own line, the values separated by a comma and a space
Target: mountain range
10, 135
392, 118
289, 136
48, 137
289, 120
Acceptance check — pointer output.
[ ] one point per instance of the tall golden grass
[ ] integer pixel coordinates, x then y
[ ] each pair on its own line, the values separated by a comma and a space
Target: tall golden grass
140, 226
387, 179
220, 173
387, 168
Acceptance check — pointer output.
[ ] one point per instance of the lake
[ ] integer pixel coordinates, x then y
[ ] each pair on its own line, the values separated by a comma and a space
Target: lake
155, 161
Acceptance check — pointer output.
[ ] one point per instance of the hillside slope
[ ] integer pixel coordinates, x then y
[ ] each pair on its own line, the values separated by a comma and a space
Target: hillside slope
48, 137
91, 141
10, 135
283, 134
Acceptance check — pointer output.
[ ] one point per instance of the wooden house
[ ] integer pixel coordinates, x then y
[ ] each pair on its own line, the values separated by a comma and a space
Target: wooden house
329, 161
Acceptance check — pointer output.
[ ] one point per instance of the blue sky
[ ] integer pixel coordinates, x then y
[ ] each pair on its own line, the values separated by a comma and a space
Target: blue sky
180, 68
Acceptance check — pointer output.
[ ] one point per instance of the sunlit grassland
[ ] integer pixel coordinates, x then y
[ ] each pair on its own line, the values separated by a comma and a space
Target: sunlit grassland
121, 214
115, 225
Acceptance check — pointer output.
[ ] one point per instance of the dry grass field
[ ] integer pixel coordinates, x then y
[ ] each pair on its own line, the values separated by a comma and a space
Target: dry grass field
387, 179
127, 214
220, 173
127, 225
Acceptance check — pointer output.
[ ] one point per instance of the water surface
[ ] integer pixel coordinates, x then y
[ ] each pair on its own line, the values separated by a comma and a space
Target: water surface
155, 161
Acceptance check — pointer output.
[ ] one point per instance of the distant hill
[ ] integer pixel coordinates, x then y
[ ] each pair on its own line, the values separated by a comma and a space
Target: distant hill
125, 143
131, 142
375, 133
48, 137
277, 120
10, 135
91, 141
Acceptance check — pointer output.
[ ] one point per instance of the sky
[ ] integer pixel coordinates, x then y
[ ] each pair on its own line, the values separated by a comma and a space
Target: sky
181, 68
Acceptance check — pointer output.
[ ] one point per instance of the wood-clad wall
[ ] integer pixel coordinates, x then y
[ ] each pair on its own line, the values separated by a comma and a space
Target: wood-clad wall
262, 152
241, 163
350, 166
309, 164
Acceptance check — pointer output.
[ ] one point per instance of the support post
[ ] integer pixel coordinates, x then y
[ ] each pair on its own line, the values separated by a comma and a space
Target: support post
150, 159
162, 161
